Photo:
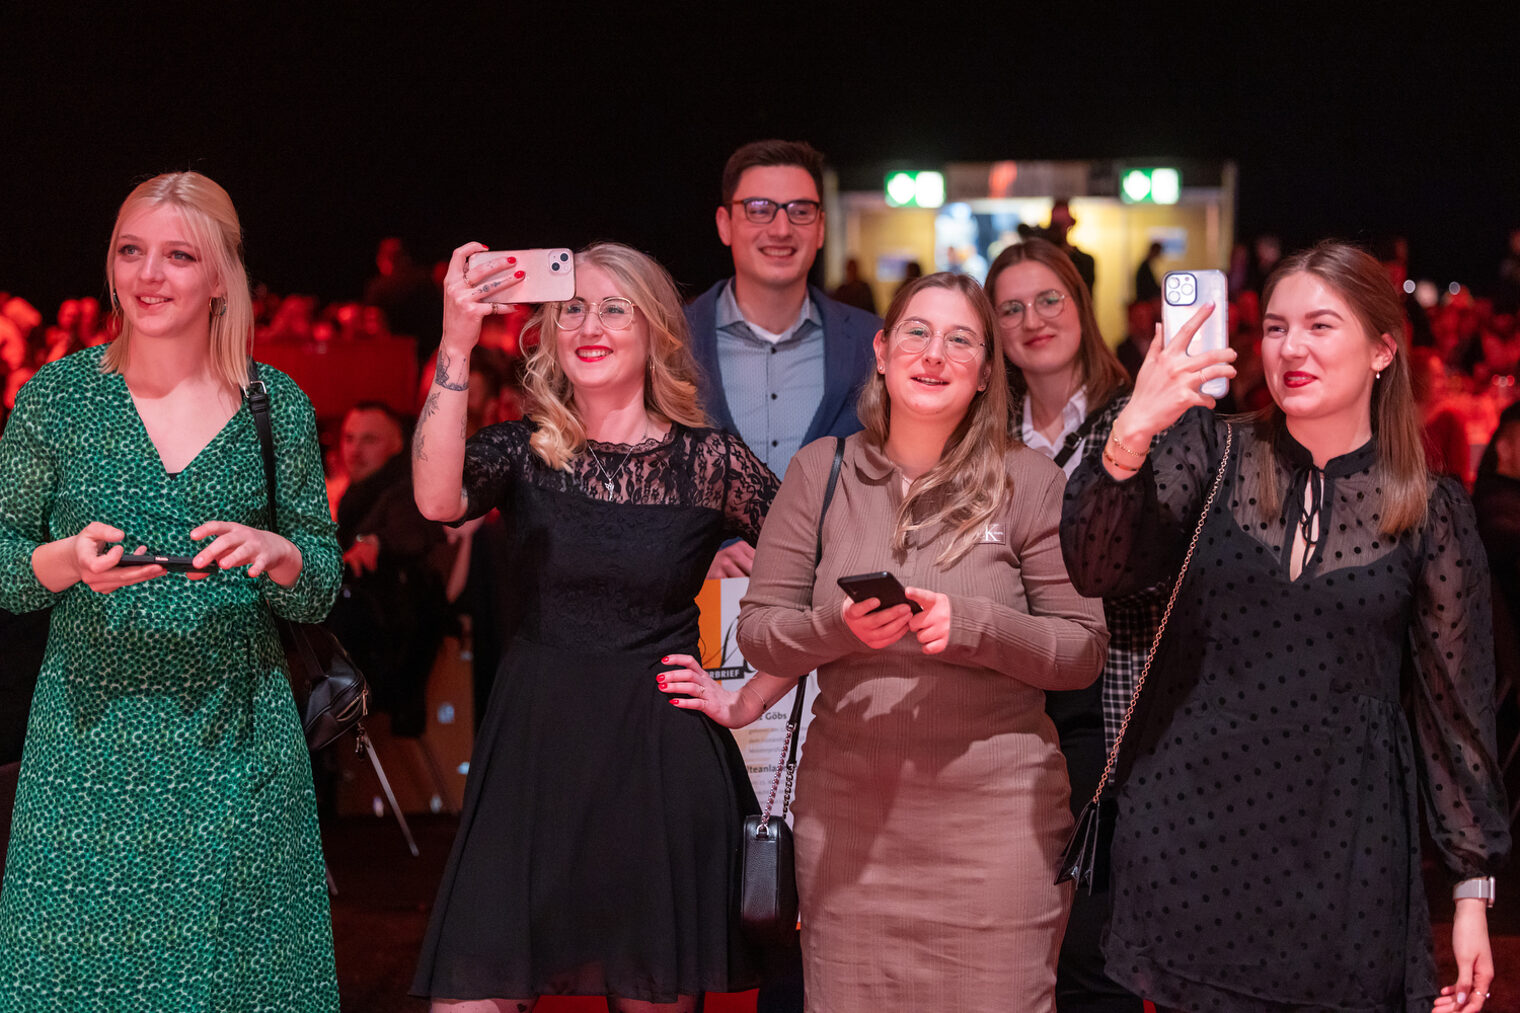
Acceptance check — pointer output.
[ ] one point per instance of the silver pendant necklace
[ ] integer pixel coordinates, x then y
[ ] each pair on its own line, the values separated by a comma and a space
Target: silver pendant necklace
607, 480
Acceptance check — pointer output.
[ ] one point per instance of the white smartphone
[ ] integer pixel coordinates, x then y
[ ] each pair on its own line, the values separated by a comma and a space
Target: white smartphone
1182, 293
548, 275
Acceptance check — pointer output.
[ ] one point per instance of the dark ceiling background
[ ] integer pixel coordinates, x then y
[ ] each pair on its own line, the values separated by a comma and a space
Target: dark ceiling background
544, 123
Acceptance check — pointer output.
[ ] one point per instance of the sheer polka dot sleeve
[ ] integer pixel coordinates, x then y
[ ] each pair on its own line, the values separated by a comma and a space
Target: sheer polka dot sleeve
1119, 538
1451, 638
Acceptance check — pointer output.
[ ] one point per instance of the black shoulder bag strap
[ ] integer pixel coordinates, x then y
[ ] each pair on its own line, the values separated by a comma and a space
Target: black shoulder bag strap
1076, 436
828, 494
794, 723
258, 403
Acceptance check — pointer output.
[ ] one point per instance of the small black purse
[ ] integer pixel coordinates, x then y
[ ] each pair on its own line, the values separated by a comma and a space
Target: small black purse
1085, 857
330, 692
767, 865
768, 873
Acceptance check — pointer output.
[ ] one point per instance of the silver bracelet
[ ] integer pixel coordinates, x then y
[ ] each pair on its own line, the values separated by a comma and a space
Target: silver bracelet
1477, 888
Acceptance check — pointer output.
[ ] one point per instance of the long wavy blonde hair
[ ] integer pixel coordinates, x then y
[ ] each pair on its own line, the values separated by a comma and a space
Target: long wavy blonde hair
970, 484
670, 374
213, 225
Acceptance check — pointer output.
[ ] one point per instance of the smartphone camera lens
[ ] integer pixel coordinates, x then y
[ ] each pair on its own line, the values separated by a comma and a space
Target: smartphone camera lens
554, 266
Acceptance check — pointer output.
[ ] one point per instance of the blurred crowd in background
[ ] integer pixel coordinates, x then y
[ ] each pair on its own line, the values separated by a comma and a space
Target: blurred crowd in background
1465, 338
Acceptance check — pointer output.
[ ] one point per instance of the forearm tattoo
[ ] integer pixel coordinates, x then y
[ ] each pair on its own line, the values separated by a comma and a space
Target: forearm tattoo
446, 363
429, 409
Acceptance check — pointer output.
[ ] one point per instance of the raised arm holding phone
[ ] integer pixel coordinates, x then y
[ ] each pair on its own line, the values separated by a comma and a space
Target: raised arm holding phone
601, 813
1267, 799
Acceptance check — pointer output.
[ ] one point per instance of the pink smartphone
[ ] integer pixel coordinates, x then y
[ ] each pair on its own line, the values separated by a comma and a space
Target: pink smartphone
548, 275
1182, 293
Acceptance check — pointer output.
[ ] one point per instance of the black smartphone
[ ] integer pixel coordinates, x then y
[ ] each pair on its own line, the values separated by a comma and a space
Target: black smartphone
174, 564
880, 585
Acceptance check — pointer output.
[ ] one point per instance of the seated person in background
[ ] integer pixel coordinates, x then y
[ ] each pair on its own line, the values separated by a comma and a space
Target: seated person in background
390, 614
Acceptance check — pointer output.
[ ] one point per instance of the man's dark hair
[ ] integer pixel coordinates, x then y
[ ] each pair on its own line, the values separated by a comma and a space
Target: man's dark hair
761, 153
403, 424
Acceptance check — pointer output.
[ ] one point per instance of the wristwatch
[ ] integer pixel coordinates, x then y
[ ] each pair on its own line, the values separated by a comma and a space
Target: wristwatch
1480, 887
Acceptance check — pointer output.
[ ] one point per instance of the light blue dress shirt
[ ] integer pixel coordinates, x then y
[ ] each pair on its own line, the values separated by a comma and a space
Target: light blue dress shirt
773, 389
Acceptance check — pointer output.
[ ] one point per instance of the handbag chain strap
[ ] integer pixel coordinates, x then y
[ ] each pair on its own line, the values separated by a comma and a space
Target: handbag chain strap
1134, 697
788, 762
791, 730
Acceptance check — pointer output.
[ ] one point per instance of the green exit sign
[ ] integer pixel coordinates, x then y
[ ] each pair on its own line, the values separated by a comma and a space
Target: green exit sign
915, 189
1159, 185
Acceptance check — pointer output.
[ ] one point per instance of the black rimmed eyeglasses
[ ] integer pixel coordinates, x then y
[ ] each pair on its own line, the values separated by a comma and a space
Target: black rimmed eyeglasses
762, 210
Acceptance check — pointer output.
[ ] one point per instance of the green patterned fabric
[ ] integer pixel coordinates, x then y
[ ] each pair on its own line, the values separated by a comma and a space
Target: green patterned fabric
165, 852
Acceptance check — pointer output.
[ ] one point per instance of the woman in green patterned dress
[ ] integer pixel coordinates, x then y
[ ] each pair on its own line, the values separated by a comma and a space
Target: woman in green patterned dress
165, 852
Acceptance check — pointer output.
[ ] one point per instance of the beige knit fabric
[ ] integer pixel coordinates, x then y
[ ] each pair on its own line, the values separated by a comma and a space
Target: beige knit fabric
932, 798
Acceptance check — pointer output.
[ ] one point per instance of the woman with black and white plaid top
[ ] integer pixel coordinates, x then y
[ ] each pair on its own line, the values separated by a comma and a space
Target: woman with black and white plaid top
1068, 387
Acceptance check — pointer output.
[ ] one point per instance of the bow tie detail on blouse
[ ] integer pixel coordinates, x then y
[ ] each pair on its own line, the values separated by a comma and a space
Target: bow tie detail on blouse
1312, 485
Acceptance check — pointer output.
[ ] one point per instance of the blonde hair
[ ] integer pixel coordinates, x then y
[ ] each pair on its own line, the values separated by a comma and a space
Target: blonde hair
670, 378
1098, 368
213, 225
1401, 470
970, 483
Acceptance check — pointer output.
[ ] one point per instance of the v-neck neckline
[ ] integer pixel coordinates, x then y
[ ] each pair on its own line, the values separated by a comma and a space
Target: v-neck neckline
142, 429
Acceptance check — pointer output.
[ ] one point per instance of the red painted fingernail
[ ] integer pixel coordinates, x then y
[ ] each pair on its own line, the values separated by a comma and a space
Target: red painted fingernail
666, 659
511, 260
518, 275
660, 679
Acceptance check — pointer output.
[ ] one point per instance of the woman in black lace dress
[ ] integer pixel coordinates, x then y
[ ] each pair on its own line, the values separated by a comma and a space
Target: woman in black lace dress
1267, 855
601, 824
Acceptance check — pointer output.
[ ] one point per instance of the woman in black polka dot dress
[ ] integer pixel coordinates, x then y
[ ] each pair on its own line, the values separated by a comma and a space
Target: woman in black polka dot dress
1267, 853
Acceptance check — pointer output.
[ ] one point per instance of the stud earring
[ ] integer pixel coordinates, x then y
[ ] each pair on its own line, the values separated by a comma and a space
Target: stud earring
1378, 375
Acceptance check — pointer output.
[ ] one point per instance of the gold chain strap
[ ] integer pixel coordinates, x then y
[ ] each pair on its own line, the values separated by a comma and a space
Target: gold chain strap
1134, 698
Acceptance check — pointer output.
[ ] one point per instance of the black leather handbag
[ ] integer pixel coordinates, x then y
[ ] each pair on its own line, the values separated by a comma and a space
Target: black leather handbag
768, 877
1085, 857
330, 692
767, 868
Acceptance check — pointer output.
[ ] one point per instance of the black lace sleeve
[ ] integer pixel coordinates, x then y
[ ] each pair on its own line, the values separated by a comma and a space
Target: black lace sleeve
749, 489
1452, 641
493, 459
1122, 537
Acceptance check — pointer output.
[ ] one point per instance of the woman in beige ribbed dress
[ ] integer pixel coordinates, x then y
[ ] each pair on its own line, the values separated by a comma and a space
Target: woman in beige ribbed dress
932, 798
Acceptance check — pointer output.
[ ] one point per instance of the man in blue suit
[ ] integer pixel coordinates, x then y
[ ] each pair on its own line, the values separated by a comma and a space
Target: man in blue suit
781, 361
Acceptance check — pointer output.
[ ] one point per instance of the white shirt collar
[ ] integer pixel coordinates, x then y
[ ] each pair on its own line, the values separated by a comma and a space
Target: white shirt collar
1072, 416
